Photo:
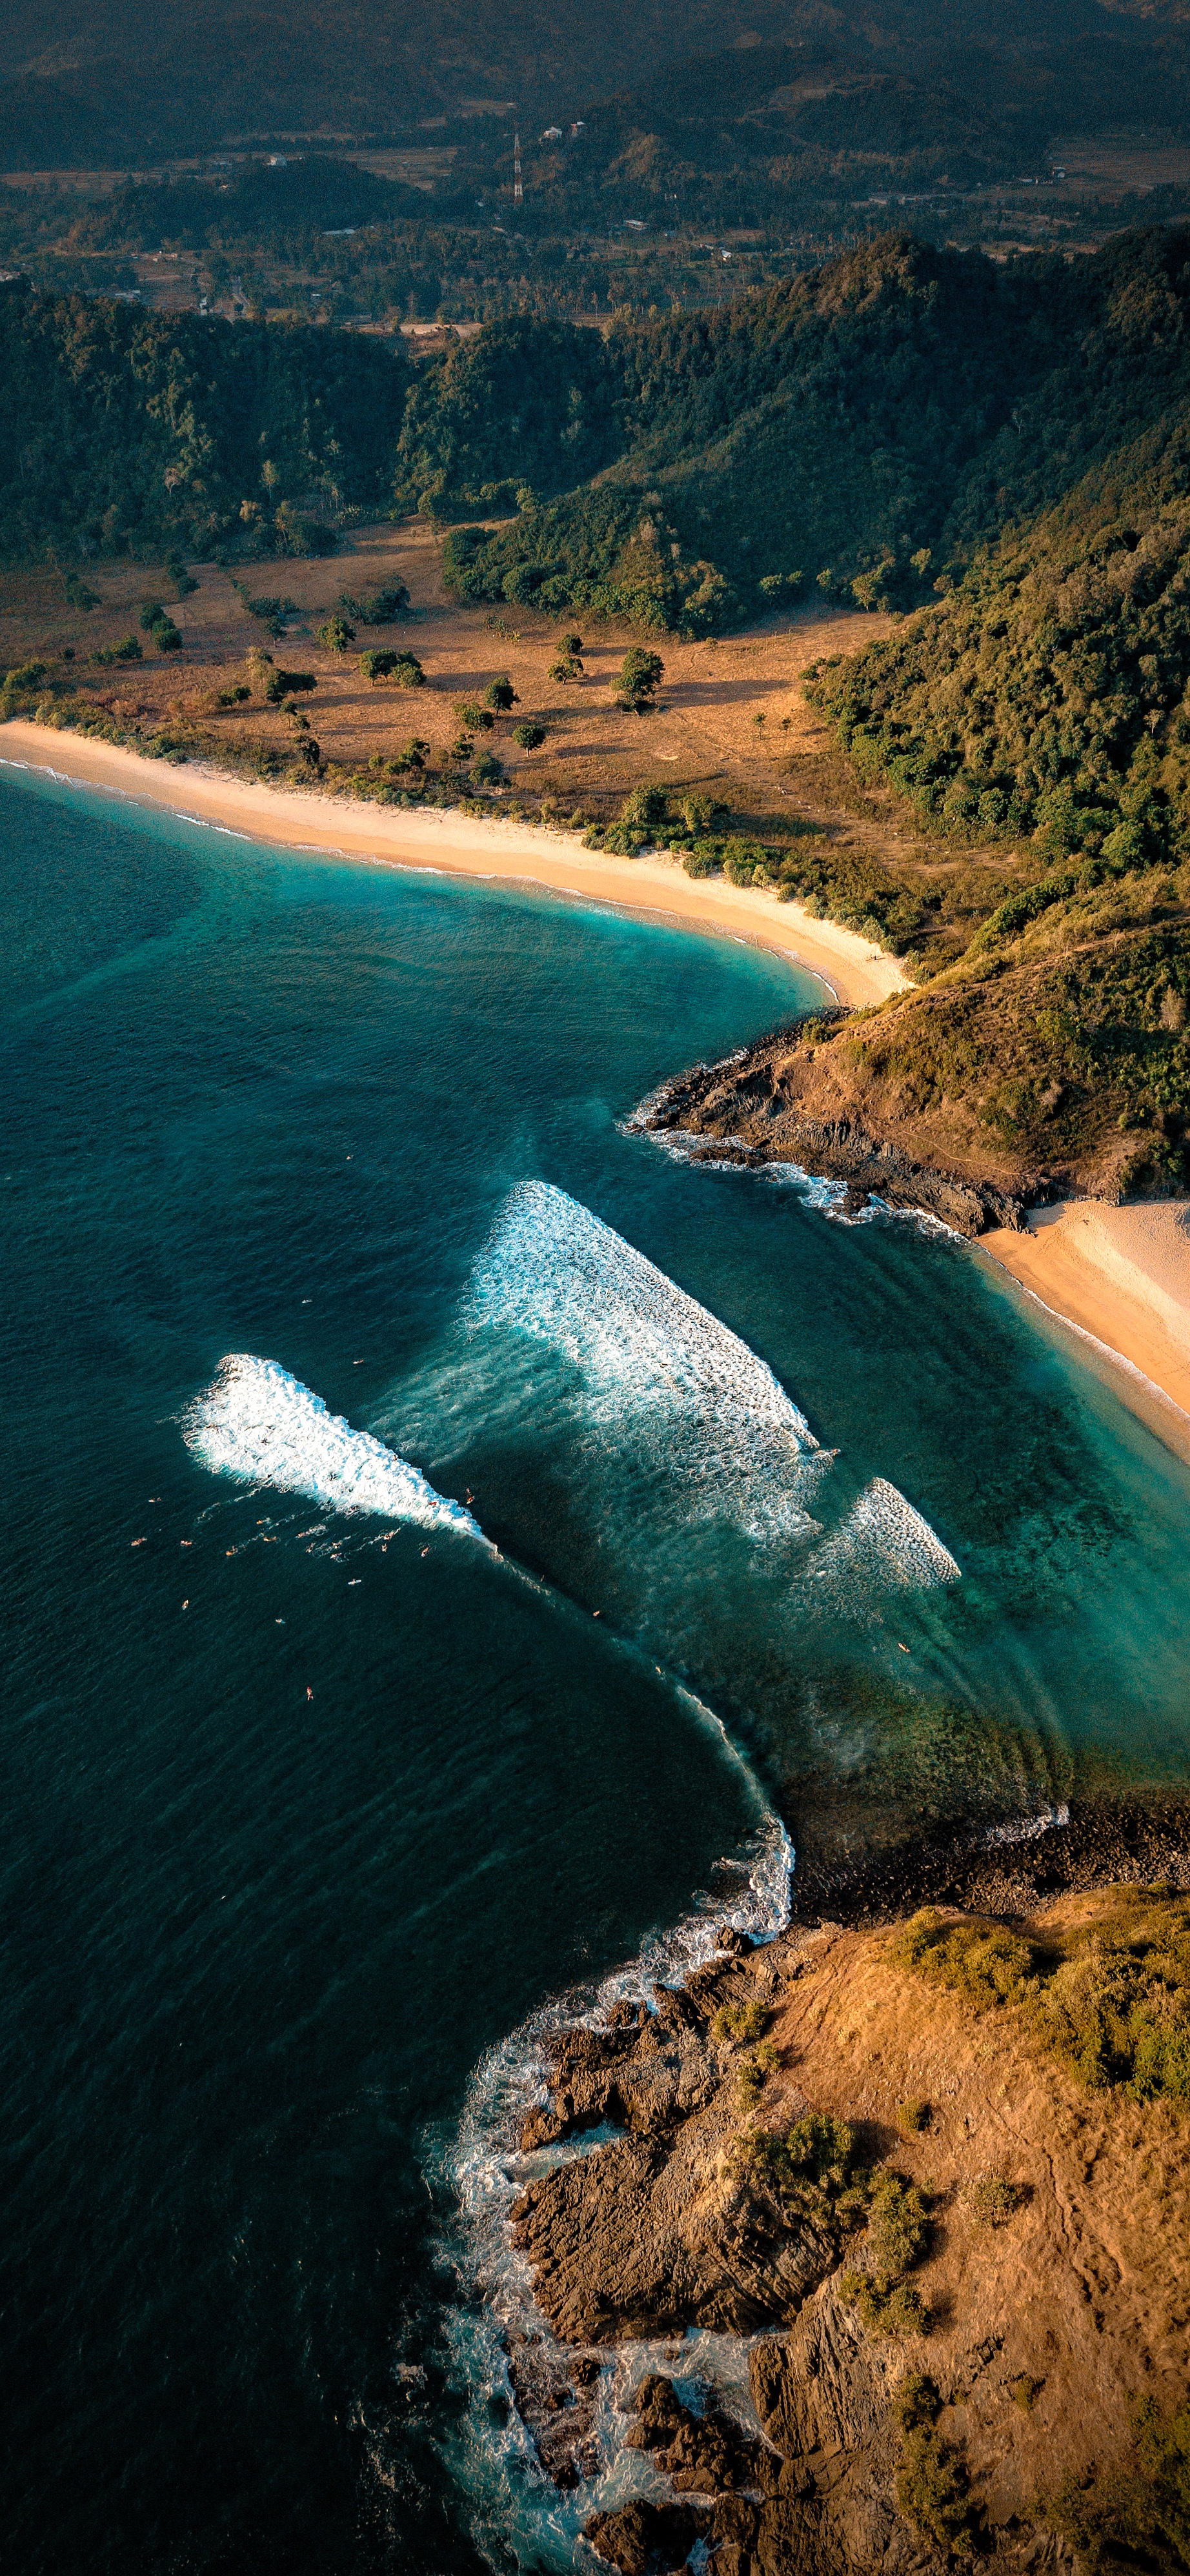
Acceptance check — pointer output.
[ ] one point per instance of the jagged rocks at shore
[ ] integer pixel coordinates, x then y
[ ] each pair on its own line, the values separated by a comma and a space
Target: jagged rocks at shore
654, 2231
1095, 1842
748, 2109
761, 1107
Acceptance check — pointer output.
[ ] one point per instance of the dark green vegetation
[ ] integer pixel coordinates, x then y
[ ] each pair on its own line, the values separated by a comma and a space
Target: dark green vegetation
868, 430
128, 433
1142, 2517
1111, 2004
997, 454
633, 113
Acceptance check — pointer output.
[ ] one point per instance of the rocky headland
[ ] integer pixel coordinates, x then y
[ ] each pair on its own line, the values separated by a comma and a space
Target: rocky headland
787, 1100
901, 2163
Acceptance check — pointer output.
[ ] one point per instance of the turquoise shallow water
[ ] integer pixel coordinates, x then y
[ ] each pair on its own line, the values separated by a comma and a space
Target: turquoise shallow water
283, 1864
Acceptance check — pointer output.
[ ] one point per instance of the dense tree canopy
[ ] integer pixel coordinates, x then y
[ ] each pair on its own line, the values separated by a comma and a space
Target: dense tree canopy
123, 431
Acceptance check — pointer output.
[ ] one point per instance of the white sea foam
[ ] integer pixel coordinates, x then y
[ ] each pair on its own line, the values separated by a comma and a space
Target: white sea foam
259, 1424
882, 1546
650, 1358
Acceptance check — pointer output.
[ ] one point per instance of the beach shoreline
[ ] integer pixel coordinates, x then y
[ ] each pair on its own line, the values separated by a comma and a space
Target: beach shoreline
855, 972
1118, 1277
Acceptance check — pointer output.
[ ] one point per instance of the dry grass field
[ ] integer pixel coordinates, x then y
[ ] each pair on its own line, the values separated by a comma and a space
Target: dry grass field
731, 721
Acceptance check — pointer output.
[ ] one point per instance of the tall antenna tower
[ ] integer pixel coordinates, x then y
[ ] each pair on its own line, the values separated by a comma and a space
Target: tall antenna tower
518, 193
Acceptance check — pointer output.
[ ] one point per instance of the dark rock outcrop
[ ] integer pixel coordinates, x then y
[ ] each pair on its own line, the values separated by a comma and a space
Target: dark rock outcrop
748, 1114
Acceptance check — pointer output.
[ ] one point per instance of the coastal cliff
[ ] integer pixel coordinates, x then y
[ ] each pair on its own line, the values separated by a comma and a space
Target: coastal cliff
958, 2249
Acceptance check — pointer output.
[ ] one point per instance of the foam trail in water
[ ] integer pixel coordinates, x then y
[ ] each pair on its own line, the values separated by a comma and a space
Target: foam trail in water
647, 1352
256, 1422
882, 1546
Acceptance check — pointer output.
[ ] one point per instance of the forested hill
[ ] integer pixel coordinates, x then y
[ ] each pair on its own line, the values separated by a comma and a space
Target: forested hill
125, 432
866, 427
869, 428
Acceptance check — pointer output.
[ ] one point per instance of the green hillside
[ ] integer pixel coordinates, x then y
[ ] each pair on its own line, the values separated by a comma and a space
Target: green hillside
866, 428
130, 433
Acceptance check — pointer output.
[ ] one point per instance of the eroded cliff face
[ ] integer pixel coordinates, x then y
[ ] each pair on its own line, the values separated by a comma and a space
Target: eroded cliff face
1036, 2330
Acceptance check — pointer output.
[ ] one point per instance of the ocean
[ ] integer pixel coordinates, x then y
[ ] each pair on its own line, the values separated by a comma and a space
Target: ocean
357, 1353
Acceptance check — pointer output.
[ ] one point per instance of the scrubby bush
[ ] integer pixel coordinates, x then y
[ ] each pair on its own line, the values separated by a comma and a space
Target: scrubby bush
898, 2226
746, 862
273, 610
981, 1961
130, 650
1139, 2518
337, 636
895, 2311
993, 2201
530, 736
741, 2021
278, 684
817, 2152
408, 673
753, 2073
378, 663
933, 2488
379, 608
640, 676
912, 2117
645, 809
701, 814
1111, 2000
500, 694
916, 2402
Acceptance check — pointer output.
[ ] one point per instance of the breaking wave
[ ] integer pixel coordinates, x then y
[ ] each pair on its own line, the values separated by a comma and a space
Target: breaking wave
883, 1545
650, 1357
1027, 1828
256, 1422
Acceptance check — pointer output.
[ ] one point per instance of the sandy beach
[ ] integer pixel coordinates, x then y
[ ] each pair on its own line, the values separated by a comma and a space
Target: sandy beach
463, 845
1121, 1276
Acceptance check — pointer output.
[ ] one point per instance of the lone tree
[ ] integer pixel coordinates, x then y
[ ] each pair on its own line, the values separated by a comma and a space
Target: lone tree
641, 675
501, 694
337, 635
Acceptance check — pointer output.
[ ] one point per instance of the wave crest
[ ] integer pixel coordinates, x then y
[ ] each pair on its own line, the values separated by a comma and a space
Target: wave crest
256, 1422
651, 1359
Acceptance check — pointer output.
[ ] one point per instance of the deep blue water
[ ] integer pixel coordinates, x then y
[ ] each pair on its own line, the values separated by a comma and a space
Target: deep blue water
281, 1865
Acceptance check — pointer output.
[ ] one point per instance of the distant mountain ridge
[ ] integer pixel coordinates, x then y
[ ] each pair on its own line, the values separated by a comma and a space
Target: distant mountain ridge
126, 82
